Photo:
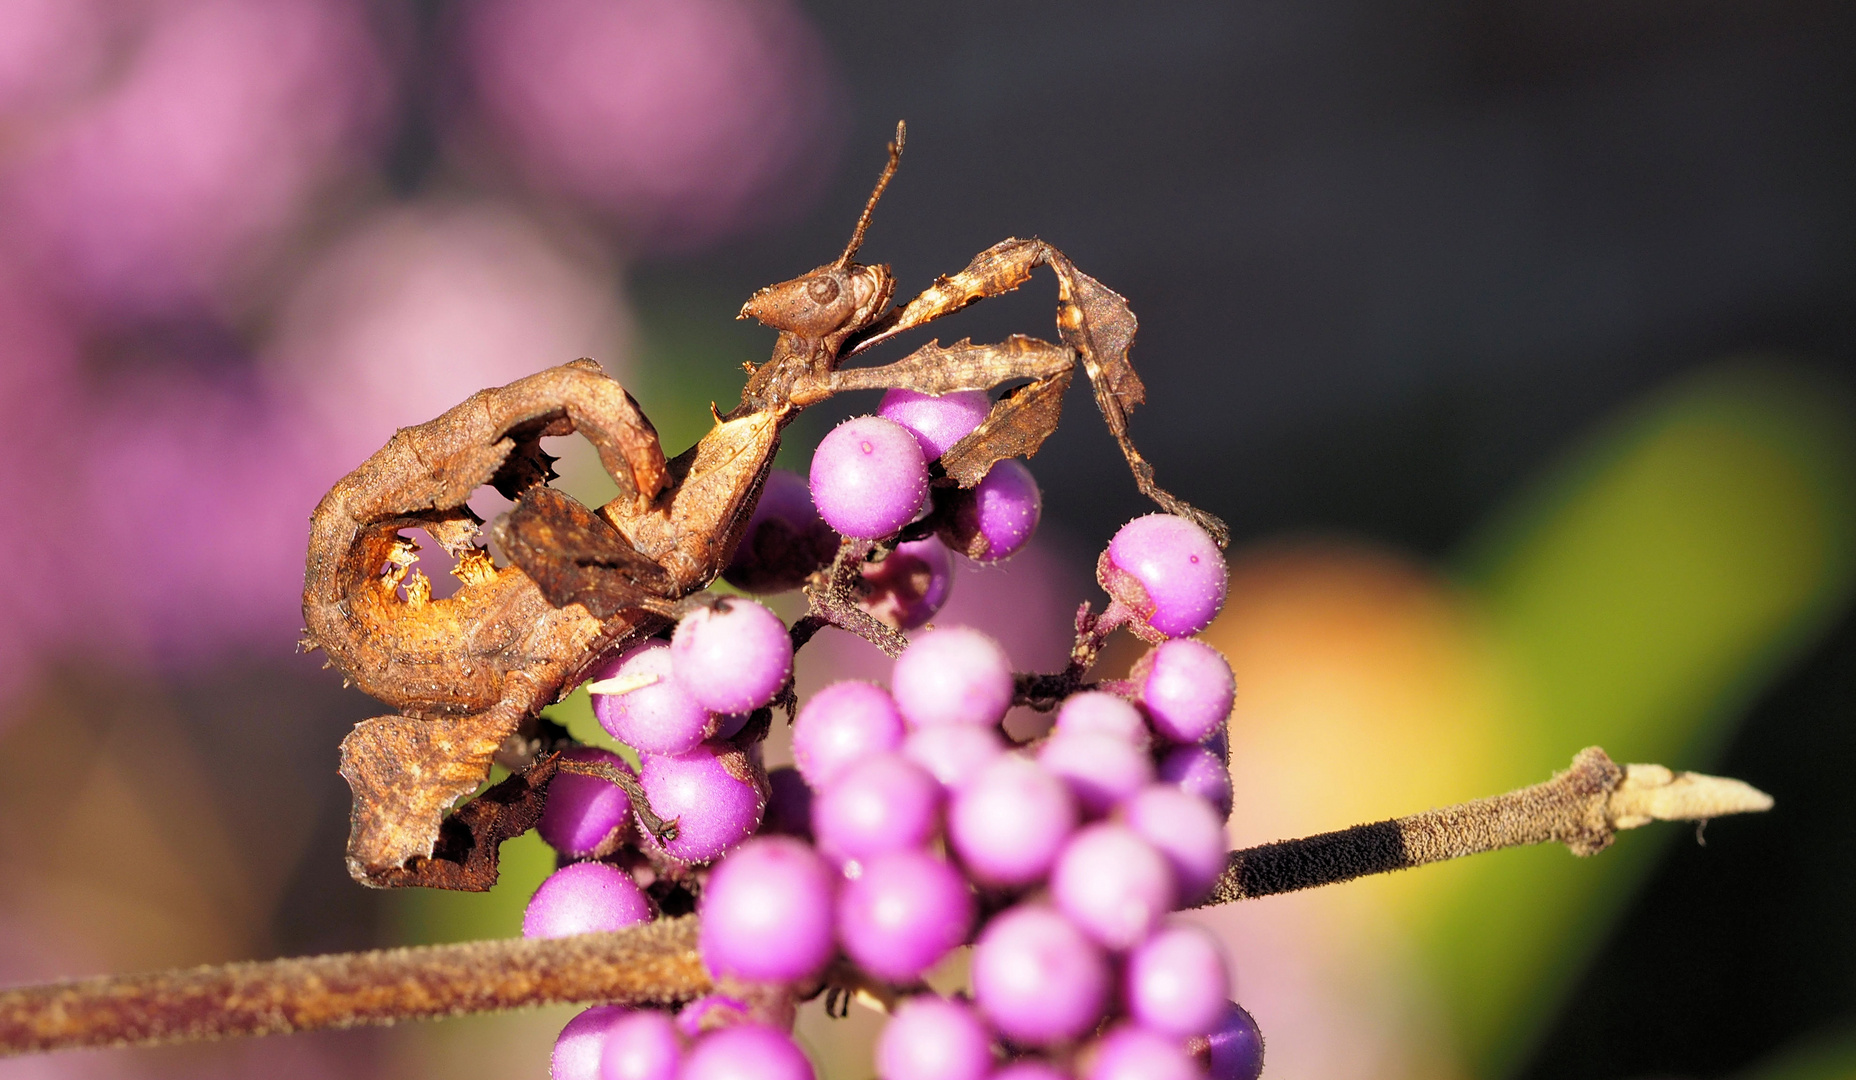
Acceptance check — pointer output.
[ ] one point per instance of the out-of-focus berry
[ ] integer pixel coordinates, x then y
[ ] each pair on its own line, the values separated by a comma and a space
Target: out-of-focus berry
586, 816
655, 713
577, 1049
1030, 1069
1198, 770
1097, 711
1009, 822
1101, 769
1167, 571
883, 803
585, 898
953, 675
840, 725
1177, 982
996, 518
789, 804
953, 753
910, 585
1236, 1051
1131, 1052
1185, 830
1113, 885
936, 422
746, 1052
1037, 978
712, 793
869, 478
785, 539
733, 657
766, 912
1187, 688
932, 1038
904, 912
641, 1046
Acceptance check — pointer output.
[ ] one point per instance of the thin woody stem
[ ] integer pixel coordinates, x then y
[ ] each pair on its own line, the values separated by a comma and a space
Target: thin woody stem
1583, 808
655, 964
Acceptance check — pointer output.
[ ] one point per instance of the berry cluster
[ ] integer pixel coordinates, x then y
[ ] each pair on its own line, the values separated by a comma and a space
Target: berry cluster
911, 825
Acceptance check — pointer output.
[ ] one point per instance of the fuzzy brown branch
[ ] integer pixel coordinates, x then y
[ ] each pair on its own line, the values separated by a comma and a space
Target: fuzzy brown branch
655, 964
1583, 808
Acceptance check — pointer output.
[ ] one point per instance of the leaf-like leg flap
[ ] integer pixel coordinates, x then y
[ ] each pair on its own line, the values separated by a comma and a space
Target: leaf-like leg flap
937, 369
1016, 427
577, 557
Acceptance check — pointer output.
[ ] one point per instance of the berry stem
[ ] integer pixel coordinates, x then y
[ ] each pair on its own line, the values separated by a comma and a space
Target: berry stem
654, 964
1583, 808
832, 594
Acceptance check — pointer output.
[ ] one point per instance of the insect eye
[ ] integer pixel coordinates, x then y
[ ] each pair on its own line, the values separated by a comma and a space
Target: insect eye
823, 290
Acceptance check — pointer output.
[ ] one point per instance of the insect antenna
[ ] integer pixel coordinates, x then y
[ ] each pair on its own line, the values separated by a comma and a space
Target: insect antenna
889, 171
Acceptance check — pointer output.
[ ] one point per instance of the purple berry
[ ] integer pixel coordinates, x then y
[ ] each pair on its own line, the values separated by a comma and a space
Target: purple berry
1131, 1052
746, 1052
584, 815
641, 1046
936, 422
1095, 710
785, 540
653, 713
1168, 571
712, 792
1101, 769
1037, 978
1009, 822
578, 1047
1185, 830
995, 519
733, 657
766, 912
841, 724
904, 912
585, 898
1187, 688
1236, 1051
953, 753
932, 1038
1198, 770
955, 675
869, 478
1113, 885
908, 587
882, 803
1177, 981
789, 804
1029, 1069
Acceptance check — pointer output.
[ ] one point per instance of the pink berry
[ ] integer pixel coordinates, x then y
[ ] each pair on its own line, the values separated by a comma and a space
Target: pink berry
1177, 981
585, 898
1113, 885
1185, 830
1131, 1052
1168, 571
995, 519
784, 541
936, 422
766, 912
953, 753
1101, 769
746, 1052
1029, 1069
1097, 711
903, 913
713, 794
578, 1047
869, 478
908, 587
584, 815
1187, 688
954, 675
642, 1045
654, 713
840, 725
1008, 823
882, 803
1200, 771
733, 657
932, 1038
1037, 978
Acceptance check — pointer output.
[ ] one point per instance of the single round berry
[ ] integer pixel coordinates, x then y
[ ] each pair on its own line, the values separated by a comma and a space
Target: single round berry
1236, 1050
903, 913
953, 753
1187, 688
585, 898
652, 713
746, 1052
995, 519
785, 540
936, 422
1037, 978
577, 1049
1177, 981
1168, 571
840, 725
766, 912
733, 657
1185, 830
713, 794
954, 675
1132, 1052
932, 1038
909, 586
789, 804
586, 816
1009, 822
1200, 771
642, 1045
1101, 769
1105, 713
1113, 885
882, 803
869, 478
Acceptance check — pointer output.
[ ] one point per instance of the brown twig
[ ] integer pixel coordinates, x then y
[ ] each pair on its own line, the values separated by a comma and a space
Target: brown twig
655, 964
